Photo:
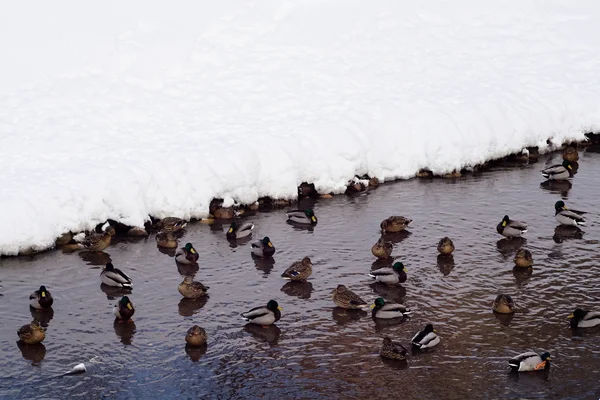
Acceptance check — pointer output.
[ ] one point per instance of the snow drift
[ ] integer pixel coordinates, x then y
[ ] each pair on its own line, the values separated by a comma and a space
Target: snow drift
124, 109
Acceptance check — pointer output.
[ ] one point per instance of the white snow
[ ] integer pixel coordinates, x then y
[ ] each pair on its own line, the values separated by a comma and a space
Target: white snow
124, 109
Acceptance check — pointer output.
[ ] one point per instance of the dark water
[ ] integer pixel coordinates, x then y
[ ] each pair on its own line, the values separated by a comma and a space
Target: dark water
317, 350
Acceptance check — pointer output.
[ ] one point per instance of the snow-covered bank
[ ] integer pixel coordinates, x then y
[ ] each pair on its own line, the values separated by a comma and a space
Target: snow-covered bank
121, 110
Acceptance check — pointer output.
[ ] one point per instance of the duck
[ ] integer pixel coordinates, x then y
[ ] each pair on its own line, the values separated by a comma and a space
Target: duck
171, 224
112, 276
511, 228
298, 271
390, 276
394, 224
191, 289
124, 310
530, 361
32, 333
196, 336
445, 246
99, 241
392, 350
345, 298
584, 319
558, 172
41, 299
238, 231
568, 217
570, 154
302, 216
263, 248
426, 338
383, 310
166, 240
187, 255
523, 258
382, 249
503, 304
264, 315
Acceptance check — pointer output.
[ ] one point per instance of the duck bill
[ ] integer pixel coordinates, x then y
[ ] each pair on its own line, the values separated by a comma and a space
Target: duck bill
372, 306
313, 219
193, 251
270, 244
129, 306
280, 308
570, 316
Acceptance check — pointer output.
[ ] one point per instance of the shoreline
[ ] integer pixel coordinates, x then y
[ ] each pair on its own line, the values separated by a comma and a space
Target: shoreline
356, 184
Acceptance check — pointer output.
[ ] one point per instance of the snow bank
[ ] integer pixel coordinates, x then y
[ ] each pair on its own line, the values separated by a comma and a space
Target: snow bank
124, 109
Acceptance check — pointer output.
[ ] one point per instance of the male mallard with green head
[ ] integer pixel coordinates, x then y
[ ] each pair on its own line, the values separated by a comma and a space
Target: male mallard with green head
530, 361
124, 310
510, 228
263, 248
187, 255
426, 338
264, 315
239, 230
41, 299
384, 310
558, 172
390, 276
584, 319
306, 217
568, 217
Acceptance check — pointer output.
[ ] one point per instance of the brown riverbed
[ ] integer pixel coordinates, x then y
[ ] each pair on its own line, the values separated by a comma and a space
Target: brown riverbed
317, 350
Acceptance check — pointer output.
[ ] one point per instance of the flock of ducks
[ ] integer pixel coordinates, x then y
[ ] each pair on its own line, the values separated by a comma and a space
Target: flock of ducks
342, 297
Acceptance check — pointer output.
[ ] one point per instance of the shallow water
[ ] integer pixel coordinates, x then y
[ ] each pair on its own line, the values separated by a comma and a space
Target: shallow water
317, 350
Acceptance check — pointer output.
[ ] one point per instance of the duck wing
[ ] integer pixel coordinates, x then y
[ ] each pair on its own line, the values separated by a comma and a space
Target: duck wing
382, 272
572, 215
256, 312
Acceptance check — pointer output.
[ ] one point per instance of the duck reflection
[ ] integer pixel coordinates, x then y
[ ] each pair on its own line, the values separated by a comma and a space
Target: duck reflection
392, 293
382, 324
344, 316
397, 237
113, 292
302, 290
504, 319
385, 263
195, 353
263, 264
42, 317
564, 232
269, 334
95, 257
169, 252
394, 364
189, 307
542, 374
124, 331
187, 269
445, 264
558, 187
233, 243
32, 352
301, 227
522, 275
508, 247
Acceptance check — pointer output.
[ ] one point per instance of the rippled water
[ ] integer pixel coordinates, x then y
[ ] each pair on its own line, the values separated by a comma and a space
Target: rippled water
315, 349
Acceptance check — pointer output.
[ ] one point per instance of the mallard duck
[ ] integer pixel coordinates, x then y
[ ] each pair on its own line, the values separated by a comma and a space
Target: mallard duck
530, 361
391, 276
41, 299
191, 289
584, 319
382, 249
392, 350
196, 336
568, 217
302, 216
344, 298
64, 239
112, 276
558, 172
445, 246
124, 310
426, 338
503, 304
98, 241
264, 315
570, 154
166, 240
32, 333
187, 254
238, 231
263, 248
394, 224
383, 310
523, 258
171, 224
510, 228
298, 271
225, 213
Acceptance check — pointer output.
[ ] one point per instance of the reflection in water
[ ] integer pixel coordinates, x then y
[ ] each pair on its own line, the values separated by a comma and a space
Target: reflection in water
343, 316
302, 290
559, 187
508, 247
43, 317
381, 324
187, 269
394, 364
522, 275
189, 307
233, 243
124, 330
504, 319
301, 227
32, 352
269, 334
169, 252
391, 293
263, 264
564, 232
386, 263
397, 237
114, 292
195, 353
445, 264
95, 257
531, 377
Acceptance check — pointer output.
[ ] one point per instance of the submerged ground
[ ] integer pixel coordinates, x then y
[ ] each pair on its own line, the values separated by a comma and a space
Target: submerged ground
317, 350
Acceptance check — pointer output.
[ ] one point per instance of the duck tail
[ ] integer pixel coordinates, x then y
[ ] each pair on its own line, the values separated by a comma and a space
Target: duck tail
582, 223
127, 285
372, 276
